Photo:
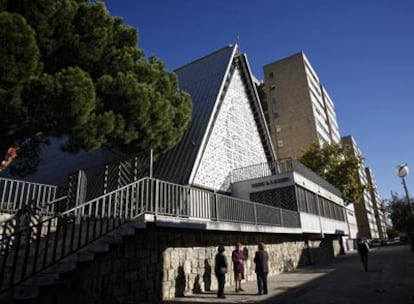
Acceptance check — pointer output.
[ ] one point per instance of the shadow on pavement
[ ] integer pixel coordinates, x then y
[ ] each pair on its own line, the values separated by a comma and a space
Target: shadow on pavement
390, 279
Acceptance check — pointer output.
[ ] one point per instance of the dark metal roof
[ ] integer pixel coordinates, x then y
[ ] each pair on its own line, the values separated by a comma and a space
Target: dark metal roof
206, 80
202, 79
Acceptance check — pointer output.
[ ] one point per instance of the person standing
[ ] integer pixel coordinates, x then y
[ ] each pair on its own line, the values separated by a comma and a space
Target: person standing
363, 249
261, 259
220, 270
238, 259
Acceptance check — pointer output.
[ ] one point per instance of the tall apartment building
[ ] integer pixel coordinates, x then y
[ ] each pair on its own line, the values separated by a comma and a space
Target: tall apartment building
364, 209
299, 112
378, 203
299, 109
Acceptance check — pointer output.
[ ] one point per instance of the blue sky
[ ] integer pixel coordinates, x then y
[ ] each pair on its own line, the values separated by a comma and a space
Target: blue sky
362, 51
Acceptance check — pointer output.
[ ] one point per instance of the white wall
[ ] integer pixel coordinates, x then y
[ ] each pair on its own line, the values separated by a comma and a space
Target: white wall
312, 223
234, 141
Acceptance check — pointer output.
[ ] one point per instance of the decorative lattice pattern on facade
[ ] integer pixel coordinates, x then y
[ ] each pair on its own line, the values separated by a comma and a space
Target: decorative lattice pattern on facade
234, 141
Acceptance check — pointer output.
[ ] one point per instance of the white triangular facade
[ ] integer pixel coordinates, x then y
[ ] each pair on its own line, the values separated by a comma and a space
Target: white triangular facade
234, 141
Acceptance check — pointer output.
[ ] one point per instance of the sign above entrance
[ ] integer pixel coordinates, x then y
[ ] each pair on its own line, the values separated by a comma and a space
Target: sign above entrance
271, 182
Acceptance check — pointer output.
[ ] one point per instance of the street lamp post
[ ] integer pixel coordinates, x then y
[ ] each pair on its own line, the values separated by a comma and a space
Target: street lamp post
402, 171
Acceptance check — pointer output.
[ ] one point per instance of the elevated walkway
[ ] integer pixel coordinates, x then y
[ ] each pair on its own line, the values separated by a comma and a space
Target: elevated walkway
31, 250
36, 253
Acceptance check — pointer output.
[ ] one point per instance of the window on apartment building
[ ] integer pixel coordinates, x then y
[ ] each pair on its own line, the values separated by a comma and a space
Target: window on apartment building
272, 87
271, 75
278, 128
310, 71
280, 143
322, 139
314, 87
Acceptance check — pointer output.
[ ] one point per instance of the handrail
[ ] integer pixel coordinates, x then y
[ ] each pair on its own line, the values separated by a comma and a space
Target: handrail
185, 201
33, 248
280, 166
14, 194
8, 226
262, 170
53, 206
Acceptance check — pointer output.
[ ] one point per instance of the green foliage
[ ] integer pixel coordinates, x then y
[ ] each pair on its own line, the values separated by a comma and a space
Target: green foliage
19, 57
336, 165
402, 216
29, 157
392, 232
70, 69
401, 213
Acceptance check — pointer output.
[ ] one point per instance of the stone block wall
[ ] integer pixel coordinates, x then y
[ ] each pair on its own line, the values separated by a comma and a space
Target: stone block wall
162, 263
190, 269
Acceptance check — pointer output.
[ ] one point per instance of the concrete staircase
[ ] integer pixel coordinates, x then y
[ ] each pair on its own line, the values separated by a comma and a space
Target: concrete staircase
49, 278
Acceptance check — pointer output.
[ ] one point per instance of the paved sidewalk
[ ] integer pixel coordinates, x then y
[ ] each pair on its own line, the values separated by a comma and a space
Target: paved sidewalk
277, 284
390, 279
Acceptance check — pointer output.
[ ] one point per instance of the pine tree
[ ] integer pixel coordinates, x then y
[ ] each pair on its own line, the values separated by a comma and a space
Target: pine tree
71, 70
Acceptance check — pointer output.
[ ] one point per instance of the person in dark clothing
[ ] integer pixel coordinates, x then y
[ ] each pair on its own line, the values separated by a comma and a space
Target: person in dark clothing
220, 270
363, 249
261, 259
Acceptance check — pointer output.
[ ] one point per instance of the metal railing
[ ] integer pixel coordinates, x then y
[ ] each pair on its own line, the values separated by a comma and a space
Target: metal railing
262, 170
279, 167
177, 200
14, 194
32, 213
34, 247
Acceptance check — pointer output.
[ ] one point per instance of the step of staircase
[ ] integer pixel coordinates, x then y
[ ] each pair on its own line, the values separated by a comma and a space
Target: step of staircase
25, 292
30, 289
113, 238
64, 267
100, 247
85, 256
126, 231
45, 279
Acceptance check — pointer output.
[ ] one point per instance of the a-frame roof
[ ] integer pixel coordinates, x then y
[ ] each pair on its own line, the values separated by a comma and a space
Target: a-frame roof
205, 80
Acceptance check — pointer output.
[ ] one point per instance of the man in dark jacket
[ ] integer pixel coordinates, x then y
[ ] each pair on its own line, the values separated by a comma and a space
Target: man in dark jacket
220, 270
261, 258
363, 249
